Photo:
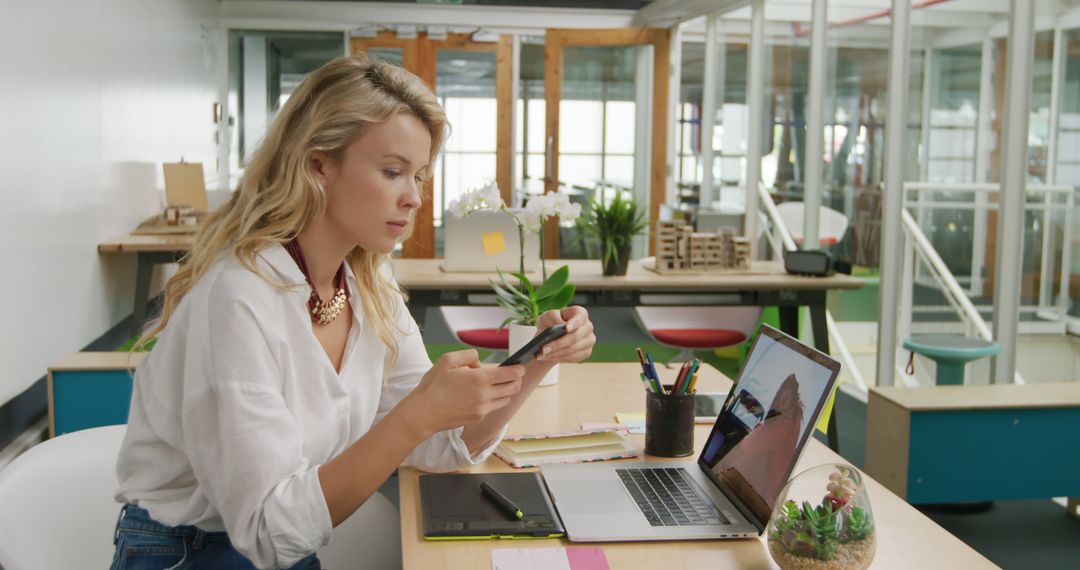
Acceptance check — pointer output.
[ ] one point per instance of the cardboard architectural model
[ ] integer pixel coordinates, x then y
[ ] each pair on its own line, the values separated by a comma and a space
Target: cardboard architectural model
680, 249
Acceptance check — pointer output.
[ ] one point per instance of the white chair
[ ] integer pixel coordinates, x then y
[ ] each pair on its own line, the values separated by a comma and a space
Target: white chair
832, 225
478, 327
698, 328
370, 538
56, 502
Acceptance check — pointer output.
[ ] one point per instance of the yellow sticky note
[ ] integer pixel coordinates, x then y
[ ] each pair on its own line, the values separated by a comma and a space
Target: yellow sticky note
823, 421
494, 242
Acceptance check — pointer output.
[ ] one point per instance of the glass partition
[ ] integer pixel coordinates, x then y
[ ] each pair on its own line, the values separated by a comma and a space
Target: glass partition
264, 68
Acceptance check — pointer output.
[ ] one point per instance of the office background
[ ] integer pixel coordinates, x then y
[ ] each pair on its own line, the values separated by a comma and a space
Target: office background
99, 95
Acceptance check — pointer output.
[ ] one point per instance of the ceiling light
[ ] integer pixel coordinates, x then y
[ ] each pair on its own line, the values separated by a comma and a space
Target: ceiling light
368, 31
406, 31
436, 32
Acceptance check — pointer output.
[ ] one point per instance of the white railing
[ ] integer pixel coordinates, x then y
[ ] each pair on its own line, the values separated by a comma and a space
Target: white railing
915, 241
780, 240
955, 294
1048, 308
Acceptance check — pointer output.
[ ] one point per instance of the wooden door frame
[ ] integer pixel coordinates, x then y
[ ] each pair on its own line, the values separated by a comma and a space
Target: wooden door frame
555, 41
419, 56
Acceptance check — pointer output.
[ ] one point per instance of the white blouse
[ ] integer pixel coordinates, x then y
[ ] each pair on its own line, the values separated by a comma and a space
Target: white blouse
237, 406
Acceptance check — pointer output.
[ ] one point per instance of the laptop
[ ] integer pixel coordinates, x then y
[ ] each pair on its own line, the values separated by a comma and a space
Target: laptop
484, 241
732, 488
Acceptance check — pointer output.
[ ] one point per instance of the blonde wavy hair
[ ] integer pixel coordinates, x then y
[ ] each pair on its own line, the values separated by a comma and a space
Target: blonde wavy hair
279, 195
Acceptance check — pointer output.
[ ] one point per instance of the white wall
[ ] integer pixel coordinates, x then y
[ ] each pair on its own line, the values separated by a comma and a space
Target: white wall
94, 96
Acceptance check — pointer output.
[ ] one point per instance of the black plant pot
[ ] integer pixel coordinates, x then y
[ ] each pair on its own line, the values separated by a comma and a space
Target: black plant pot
610, 266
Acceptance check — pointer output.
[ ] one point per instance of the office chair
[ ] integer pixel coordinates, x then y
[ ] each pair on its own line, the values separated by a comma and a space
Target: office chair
698, 328
57, 502
478, 327
59, 511
832, 225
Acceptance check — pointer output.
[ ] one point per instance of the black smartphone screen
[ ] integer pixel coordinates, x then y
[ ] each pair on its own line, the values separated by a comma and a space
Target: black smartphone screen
528, 352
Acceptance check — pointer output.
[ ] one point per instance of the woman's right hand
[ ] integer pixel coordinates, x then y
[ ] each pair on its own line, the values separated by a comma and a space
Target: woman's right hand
458, 391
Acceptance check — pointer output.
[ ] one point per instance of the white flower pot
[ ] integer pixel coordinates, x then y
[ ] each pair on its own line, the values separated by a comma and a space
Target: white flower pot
519, 336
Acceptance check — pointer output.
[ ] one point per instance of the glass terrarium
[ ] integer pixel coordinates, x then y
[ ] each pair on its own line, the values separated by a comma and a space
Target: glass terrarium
823, 521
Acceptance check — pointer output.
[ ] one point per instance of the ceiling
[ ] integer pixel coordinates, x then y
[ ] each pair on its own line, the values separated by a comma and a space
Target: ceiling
562, 4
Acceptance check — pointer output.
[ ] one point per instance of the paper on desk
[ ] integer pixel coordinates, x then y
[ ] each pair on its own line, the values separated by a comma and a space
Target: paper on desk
576, 558
603, 425
634, 421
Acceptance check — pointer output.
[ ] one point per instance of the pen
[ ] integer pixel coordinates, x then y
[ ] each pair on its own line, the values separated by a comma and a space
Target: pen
645, 381
652, 368
641, 359
501, 500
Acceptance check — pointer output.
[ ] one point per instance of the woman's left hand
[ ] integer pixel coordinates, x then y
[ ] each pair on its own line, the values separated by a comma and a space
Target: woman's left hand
576, 345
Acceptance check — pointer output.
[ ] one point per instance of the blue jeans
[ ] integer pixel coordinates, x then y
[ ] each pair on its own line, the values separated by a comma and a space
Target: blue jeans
145, 544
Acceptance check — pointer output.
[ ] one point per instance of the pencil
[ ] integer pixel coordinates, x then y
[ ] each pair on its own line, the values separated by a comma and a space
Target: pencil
693, 384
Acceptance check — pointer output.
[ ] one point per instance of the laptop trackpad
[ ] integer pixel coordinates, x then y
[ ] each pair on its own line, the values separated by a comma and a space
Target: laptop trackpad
594, 497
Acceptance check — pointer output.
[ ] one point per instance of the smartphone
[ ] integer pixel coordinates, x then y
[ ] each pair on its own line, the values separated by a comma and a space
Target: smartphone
528, 352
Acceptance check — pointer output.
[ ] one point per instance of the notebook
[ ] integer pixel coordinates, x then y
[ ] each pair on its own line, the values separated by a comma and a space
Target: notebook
454, 508
531, 450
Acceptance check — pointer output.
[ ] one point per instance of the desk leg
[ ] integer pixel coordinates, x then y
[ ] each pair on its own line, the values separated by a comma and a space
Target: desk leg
143, 275
820, 325
789, 320
418, 310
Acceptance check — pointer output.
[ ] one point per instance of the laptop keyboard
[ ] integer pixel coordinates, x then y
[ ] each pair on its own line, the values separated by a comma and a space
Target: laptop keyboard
666, 496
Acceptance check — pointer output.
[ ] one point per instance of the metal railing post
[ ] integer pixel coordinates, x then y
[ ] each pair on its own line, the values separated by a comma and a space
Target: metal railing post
1010, 230
892, 202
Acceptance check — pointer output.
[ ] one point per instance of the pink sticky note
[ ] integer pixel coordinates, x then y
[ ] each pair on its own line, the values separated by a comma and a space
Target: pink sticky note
587, 559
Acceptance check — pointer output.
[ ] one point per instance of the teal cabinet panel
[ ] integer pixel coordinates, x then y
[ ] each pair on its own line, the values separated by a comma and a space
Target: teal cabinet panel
85, 399
993, 454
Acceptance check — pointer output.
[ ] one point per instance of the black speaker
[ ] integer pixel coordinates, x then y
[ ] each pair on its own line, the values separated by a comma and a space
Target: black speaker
815, 263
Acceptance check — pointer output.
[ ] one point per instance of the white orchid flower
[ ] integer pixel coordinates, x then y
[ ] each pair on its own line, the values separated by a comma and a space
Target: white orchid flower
456, 209
491, 196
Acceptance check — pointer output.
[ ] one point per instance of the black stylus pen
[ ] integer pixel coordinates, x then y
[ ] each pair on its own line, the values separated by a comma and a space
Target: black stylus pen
501, 500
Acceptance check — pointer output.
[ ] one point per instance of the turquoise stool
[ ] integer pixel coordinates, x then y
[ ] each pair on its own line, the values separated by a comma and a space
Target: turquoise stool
951, 353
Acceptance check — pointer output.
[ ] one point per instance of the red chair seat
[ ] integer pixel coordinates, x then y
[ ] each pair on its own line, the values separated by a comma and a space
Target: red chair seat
823, 242
492, 339
698, 338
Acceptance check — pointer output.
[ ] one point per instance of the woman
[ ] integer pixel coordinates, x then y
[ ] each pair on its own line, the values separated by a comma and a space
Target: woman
289, 380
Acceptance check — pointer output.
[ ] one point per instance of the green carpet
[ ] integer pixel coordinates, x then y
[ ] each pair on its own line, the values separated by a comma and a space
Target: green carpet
618, 352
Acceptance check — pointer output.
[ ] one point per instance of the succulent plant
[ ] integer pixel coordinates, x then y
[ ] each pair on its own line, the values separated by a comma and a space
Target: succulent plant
817, 532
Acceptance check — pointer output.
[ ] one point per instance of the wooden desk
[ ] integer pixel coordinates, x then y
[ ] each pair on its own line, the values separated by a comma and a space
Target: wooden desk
593, 393
152, 250
765, 284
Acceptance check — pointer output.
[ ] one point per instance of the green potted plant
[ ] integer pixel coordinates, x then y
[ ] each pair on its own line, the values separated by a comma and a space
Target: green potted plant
615, 224
525, 301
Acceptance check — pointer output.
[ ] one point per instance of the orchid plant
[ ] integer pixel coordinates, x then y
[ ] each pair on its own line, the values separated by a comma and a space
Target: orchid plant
525, 302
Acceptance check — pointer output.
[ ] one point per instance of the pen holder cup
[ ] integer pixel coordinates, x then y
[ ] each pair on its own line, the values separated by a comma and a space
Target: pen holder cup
669, 424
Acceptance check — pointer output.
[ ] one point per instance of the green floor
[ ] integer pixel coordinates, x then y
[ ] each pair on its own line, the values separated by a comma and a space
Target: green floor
622, 352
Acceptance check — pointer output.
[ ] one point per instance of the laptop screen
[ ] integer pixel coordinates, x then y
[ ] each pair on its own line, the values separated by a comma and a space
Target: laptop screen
767, 419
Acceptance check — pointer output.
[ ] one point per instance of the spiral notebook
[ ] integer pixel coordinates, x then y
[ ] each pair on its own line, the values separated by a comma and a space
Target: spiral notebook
531, 450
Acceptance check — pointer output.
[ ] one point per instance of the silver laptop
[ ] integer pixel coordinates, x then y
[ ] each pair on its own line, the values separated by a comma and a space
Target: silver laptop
484, 241
732, 488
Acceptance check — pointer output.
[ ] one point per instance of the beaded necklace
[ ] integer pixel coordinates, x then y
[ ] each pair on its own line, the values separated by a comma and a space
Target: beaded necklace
322, 312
